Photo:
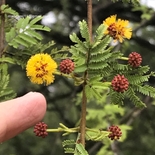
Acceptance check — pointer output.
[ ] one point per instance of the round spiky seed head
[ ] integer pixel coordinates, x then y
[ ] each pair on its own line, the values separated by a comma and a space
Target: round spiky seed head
120, 83
115, 132
135, 59
40, 129
66, 66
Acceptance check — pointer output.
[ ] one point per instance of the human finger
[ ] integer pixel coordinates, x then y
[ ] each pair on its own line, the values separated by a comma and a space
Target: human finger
20, 114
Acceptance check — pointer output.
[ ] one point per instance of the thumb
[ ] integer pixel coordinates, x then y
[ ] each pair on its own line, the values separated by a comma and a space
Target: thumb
19, 114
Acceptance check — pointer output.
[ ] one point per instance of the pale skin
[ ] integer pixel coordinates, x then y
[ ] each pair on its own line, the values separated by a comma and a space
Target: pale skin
19, 114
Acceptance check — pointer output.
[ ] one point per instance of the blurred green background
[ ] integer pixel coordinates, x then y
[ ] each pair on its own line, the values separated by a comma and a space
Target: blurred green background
62, 17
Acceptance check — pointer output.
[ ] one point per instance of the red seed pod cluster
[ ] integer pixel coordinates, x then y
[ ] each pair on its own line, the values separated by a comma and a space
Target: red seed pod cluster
120, 83
40, 129
115, 132
66, 66
135, 59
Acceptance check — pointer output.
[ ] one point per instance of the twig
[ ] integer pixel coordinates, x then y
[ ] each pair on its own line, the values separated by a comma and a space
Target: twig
2, 34
84, 98
89, 16
83, 117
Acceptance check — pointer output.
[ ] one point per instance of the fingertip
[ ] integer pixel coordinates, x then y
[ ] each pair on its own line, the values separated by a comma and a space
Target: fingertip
37, 108
21, 113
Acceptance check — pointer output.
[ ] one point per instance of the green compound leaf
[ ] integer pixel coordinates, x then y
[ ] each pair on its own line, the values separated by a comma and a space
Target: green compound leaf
69, 150
19, 41
40, 27
34, 34
101, 85
10, 35
7, 60
68, 142
5, 91
80, 150
97, 48
84, 30
116, 98
137, 79
81, 68
67, 146
92, 92
80, 44
25, 32
99, 32
95, 78
28, 38
8, 10
35, 20
98, 66
101, 56
146, 90
134, 98
120, 67
23, 24
134, 2
140, 70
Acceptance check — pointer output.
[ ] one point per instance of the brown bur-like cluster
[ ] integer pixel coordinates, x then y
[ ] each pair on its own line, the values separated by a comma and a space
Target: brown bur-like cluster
66, 66
40, 129
115, 132
120, 83
135, 59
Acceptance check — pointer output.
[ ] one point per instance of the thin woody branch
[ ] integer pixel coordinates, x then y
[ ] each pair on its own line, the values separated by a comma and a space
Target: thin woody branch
84, 98
2, 25
89, 16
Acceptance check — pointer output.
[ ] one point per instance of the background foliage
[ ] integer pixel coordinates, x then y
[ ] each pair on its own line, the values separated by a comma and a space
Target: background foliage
137, 124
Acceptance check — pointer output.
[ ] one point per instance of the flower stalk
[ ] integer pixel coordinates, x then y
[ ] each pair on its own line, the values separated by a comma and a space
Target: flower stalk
90, 133
64, 129
124, 58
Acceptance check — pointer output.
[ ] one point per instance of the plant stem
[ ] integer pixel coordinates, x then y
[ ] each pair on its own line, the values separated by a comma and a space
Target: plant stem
62, 74
2, 32
83, 116
89, 16
84, 97
68, 130
124, 58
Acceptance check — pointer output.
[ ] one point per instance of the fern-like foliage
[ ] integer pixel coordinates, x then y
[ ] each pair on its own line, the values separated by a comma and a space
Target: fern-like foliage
21, 57
116, 98
101, 64
68, 142
6, 92
76, 149
5, 9
60, 53
84, 30
137, 78
134, 2
145, 90
80, 150
24, 33
134, 98
93, 57
67, 146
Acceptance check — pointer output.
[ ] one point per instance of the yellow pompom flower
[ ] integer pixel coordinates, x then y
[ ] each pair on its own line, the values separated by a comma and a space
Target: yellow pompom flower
117, 29
40, 69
